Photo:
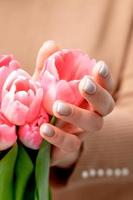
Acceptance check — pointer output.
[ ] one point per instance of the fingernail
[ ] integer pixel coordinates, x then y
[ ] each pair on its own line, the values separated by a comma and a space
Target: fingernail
63, 109
103, 69
89, 86
47, 130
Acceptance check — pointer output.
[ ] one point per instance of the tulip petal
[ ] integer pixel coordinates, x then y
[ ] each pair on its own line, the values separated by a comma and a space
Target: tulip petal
7, 98
13, 75
74, 86
14, 64
29, 134
30, 138
51, 66
14, 111
4, 71
68, 92
35, 106
5, 60
69, 64
8, 136
49, 84
22, 96
7, 65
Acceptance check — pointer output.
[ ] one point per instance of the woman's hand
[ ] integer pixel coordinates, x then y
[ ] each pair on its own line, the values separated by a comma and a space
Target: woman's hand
75, 122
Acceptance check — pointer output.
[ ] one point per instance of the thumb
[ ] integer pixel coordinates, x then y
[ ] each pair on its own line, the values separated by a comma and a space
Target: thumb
47, 49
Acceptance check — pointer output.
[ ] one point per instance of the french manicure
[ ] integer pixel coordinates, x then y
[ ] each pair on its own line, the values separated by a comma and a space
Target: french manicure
47, 130
89, 86
63, 109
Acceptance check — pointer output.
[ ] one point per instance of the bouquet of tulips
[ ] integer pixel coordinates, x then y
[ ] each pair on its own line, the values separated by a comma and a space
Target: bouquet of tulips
26, 104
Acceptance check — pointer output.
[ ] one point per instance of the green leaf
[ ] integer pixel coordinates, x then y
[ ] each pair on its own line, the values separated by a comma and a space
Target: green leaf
42, 171
7, 165
36, 194
30, 189
50, 194
23, 170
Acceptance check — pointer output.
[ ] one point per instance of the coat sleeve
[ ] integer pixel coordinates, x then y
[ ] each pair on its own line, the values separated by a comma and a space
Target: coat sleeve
110, 149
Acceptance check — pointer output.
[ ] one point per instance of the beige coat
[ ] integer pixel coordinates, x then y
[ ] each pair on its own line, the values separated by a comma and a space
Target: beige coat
103, 28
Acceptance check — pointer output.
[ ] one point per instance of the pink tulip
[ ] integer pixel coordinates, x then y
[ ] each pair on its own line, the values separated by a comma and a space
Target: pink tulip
61, 75
21, 98
29, 134
7, 65
8, 135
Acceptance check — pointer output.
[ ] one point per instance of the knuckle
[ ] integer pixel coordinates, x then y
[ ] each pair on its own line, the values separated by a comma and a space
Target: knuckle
98, 123
76, 114
59, 139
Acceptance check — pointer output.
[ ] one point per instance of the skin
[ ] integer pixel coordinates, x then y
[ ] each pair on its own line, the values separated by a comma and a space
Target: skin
71, 130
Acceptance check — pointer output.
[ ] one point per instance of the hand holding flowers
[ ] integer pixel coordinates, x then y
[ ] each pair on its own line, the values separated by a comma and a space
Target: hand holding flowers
79, 104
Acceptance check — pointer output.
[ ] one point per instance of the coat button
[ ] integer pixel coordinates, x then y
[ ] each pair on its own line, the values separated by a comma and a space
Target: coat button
100, 172
125, 171
109, 172
117, 172
92, 172
85, 174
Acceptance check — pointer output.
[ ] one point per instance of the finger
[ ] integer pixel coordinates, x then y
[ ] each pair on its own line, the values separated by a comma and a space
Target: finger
102, 75
100, 99
67, 127
87, 120
59, 138
48, 48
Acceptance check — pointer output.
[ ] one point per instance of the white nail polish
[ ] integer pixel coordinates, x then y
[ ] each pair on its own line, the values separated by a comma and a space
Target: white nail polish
103, 69
89, 86
63, 109
47, 130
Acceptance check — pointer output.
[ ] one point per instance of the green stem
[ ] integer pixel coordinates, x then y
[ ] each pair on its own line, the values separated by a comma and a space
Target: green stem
42, 169
7, 166
23, 171
53, 120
